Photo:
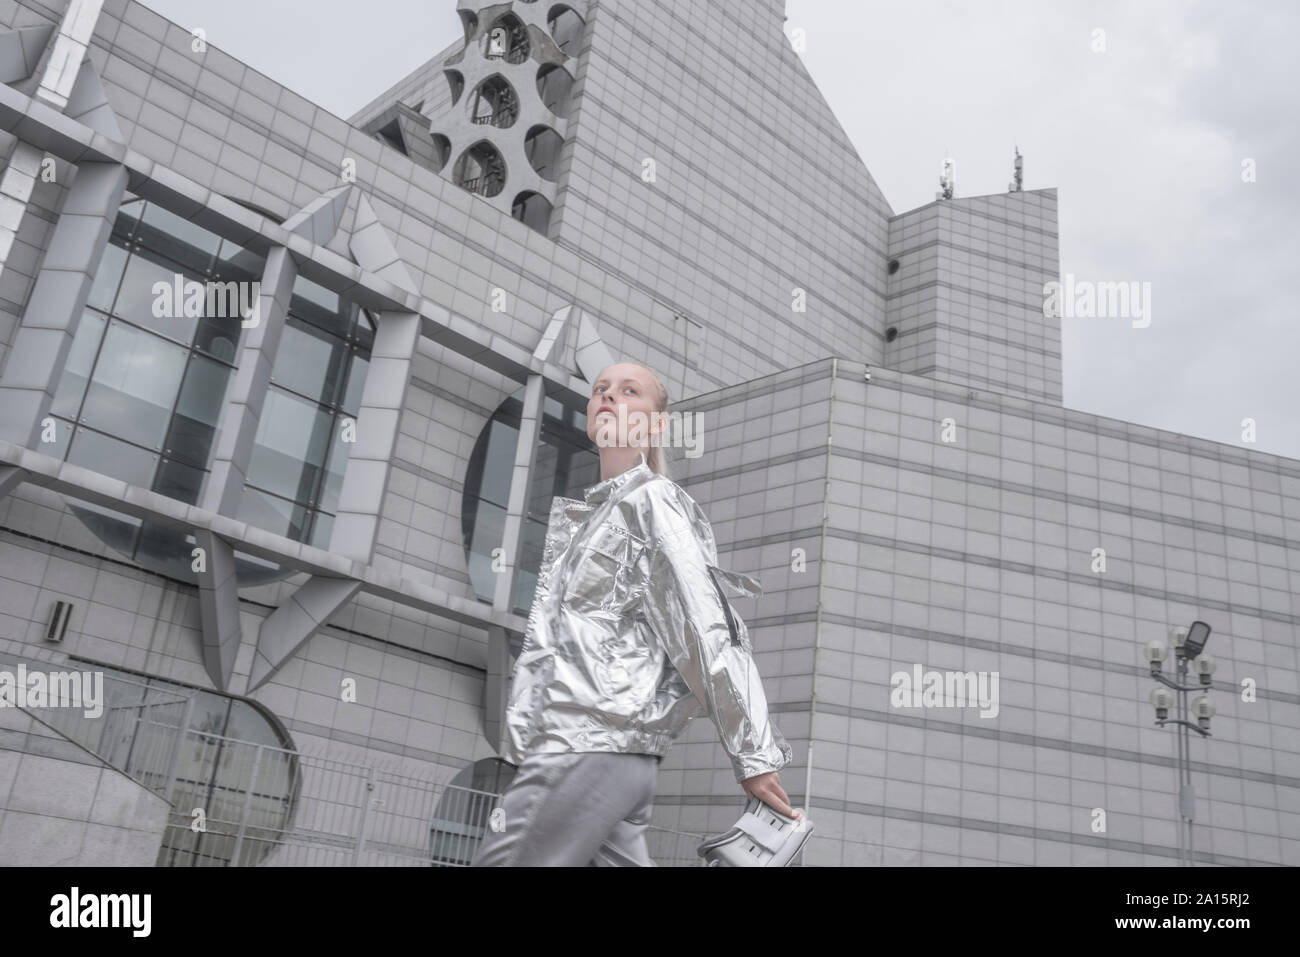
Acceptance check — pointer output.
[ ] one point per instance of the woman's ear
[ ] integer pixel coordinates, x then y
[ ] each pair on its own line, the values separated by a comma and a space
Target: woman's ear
659, 422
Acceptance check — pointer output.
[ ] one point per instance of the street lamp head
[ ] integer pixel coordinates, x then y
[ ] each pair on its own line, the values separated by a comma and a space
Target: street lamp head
1177, 639
1204, 710
1204, 665
1155, 652
1197, 636
1161, 699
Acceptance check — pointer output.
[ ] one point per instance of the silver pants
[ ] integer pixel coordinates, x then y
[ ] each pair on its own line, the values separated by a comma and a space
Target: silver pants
575, 809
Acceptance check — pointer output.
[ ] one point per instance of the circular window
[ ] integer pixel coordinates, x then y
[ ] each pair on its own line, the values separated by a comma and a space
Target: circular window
455, 84
567, 463
441, 150
470, 22
554, 85
506, 39
230, 756
566, 28
893, 266
542, 147
481, 169
495, 103
464, 811
532, 209
891, 333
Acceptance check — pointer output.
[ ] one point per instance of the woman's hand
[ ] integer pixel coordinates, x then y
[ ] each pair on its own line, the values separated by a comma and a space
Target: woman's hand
767, 788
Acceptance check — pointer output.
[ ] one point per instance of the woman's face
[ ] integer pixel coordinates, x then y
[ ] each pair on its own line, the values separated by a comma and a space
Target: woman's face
621, 410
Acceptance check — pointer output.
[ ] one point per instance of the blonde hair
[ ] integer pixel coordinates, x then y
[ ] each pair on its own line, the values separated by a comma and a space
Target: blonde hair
656, 458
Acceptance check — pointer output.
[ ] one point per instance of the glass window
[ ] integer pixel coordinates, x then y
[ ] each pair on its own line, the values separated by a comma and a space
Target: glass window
113, 528
193, 247
212, 766
321, 307
272, 513
62, 437
99, 452
308, 362
326, 299
136, 300
488, 525
356, 383
236, 262
194, 424
209, 714
81, 358
128, 214
322, 527
219, 338
293, 438
499, 467
134, 386
461, 818
337, 465
318, 380
565, 464
152, 402
530, 564
104, 289
150, 382
168, 550
179, 481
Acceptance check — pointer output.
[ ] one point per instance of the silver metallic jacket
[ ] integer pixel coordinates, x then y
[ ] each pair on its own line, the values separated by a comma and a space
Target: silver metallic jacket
631, 635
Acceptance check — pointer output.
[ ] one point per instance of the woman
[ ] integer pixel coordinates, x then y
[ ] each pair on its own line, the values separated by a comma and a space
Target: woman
630, 636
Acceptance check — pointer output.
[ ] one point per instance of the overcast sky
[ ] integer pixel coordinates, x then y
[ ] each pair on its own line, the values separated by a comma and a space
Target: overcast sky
1144, 141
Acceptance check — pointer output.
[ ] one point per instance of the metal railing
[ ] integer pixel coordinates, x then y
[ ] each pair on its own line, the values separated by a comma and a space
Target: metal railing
138, 731
498, 118
277, 808
245, 803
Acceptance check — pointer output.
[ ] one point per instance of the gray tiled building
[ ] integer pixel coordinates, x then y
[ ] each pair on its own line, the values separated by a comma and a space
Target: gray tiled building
269, 515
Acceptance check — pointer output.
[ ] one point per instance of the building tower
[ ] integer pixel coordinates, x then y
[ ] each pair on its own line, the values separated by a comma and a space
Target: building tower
501, 135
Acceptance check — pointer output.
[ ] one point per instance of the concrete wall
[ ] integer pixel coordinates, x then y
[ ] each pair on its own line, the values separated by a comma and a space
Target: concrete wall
61, 806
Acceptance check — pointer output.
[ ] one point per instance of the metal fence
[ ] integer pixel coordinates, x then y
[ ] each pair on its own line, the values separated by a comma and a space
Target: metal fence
295, 809
138, 730
242, 803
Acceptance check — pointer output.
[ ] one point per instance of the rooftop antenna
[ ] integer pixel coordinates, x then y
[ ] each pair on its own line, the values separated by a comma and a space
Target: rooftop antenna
1018, 184
947, 179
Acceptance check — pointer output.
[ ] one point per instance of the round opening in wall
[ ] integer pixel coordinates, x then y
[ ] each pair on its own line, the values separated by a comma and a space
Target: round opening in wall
506, 39
542, 147
891, 333
567, 463
566, 27
532, 209
441, 150
554, 84
893, 266
455, 83
480, 169
470, 22
495, 103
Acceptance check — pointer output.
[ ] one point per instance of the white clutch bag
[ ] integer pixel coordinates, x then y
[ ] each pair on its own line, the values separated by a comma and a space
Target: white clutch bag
761, 838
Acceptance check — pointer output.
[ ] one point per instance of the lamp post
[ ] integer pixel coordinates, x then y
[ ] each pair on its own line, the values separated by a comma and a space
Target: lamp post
1189, 646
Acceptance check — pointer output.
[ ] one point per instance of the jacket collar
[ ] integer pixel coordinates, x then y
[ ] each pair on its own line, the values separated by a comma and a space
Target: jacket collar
603, 489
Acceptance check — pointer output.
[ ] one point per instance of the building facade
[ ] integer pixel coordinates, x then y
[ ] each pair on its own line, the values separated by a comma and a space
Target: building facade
285, 398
